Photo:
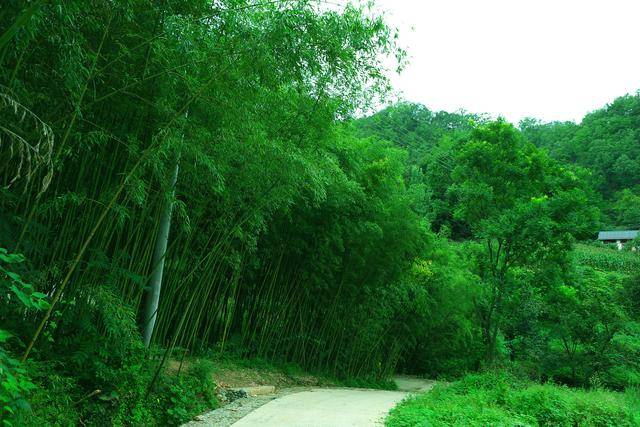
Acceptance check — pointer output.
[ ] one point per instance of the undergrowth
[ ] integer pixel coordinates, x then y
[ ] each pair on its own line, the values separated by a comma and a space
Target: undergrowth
60, 400
504, 399
94, 370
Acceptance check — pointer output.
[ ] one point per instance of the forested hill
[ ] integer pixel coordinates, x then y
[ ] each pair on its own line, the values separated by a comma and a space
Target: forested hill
606, 143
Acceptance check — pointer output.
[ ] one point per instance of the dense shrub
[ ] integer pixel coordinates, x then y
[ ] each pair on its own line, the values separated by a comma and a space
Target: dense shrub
58, 400
182, 397
17, 299
593, 334
95, 370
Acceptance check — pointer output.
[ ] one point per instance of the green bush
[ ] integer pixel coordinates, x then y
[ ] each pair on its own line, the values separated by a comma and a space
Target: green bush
14, 384
185, 396
60, 401
500, 398
96, 369
593, 336
52, 401
552, 405
16, 296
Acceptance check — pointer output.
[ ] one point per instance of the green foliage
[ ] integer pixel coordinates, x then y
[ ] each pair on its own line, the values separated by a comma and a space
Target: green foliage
16, 296
183, 397
423, 133
497, 398
415, 127
632, 294
625, 209
97, 370
595, 339
59, 400
12, 286
340, 256
15, 383
534, 298
606, 143
523, 208
437, 310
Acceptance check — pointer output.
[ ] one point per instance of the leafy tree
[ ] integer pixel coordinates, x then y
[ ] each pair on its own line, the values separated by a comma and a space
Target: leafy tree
520, 204
625, 209
592, 330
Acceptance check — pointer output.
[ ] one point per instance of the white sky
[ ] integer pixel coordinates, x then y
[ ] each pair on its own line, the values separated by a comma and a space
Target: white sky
549, 59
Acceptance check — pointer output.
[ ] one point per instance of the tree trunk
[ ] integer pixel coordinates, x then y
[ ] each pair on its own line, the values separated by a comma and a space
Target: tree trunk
152, 294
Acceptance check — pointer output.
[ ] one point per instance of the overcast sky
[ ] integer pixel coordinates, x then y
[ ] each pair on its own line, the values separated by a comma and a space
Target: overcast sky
550, 59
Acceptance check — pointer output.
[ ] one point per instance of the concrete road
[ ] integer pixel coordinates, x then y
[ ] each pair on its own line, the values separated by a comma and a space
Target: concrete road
407, 383
332, 407
325, 408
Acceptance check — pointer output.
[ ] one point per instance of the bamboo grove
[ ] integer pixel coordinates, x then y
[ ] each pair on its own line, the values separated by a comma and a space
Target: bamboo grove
281, 224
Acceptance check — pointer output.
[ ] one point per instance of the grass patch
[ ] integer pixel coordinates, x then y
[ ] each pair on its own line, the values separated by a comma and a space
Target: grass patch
502, 399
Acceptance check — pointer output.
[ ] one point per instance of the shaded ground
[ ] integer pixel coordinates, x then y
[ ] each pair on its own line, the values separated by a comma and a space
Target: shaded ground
234, 374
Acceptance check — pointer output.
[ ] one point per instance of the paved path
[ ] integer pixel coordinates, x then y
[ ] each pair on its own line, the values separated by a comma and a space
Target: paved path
332, 407
406, 383
325, 407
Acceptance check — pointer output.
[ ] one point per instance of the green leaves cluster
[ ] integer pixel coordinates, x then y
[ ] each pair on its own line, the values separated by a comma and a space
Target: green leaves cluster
16, 296
15, 384
12, 285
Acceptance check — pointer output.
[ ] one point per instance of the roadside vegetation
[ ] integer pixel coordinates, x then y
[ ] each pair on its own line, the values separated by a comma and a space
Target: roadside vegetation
502, 399
195, 181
